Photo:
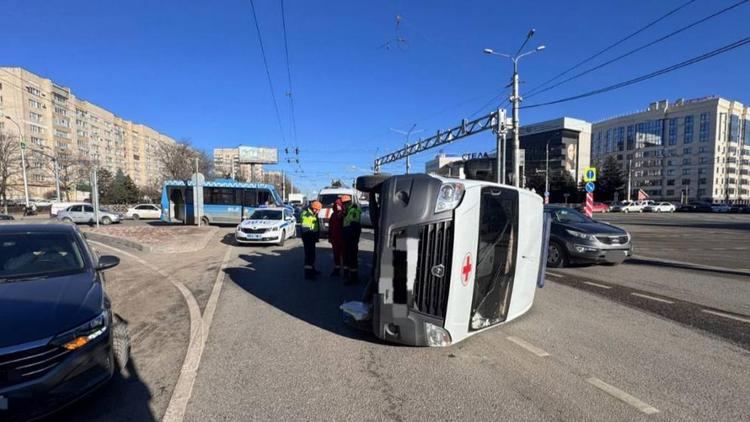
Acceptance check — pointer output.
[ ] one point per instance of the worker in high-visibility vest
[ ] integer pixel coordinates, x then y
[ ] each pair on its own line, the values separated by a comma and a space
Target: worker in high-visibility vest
310, 229
336, 236
352, 228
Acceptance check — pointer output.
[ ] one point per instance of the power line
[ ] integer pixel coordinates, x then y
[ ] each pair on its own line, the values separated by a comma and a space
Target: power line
289, 75
268, 72
658, 40
654, 74
611, 46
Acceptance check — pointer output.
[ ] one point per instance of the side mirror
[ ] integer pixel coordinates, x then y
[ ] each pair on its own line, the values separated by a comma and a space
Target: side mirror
106, 262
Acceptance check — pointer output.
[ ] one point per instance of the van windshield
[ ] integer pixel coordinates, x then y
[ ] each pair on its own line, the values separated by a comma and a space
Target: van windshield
328, 199
38, 254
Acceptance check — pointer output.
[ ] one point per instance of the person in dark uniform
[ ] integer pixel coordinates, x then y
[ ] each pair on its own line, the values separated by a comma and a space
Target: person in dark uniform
310, 229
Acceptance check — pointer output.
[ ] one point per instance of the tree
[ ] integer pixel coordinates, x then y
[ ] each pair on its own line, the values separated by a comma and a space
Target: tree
9, 162
178, 160
123, 190
104, 181
609, 180
72, 169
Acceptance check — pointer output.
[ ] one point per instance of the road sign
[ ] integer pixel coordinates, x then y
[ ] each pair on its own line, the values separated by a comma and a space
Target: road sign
589, 175
590, 187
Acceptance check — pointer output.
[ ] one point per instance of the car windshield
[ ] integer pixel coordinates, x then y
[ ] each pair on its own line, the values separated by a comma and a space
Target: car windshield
328, 199
38, 254
570, 216
266, 215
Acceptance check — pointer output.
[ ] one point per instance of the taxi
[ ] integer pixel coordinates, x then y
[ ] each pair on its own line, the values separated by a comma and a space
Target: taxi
267, 225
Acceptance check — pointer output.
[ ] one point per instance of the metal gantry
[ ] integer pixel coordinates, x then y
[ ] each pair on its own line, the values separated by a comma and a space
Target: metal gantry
466, 128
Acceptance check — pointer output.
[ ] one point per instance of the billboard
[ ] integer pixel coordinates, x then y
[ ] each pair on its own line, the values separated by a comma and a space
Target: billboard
258, 155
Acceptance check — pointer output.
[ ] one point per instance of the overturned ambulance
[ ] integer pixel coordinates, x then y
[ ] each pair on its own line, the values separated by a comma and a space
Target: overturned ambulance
452, 257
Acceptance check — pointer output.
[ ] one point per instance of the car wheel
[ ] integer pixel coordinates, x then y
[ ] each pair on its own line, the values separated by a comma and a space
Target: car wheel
136, 217
106, 220
120, 342
67, 220
283, 238
204, 221
556, 256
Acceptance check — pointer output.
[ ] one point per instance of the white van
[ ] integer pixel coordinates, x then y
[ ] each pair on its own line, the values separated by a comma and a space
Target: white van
327, 198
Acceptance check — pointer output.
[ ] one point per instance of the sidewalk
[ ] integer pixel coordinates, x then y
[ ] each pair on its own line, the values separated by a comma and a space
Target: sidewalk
162, 239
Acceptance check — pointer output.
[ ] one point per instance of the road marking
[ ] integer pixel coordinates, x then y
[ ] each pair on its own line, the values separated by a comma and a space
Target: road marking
184, 389
528, 346
725, 315
623, 396
658, 299
591, 283
554, 275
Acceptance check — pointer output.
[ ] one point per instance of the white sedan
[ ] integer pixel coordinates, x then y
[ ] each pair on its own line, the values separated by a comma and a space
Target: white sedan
627, 206
660, 207
267, 225
146, 211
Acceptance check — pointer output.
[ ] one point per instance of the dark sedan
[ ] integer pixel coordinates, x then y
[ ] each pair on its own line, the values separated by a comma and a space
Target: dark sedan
59, 339
575, 238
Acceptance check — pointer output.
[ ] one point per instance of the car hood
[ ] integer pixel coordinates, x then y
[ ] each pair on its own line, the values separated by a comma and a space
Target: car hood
256, 224
594, 227
37, 309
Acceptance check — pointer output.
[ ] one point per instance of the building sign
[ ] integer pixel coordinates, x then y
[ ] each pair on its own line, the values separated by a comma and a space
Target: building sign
476, 155
257, 155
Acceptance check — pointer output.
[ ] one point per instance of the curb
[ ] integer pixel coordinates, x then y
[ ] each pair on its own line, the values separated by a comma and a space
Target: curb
691, 266
117, 241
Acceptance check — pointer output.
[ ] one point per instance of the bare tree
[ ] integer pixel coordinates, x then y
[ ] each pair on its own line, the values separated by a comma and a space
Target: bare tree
178, 160
72, 169
9, 162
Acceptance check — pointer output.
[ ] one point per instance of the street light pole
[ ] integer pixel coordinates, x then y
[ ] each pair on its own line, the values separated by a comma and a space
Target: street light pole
515, 98
546, 173
23, 160
407, 133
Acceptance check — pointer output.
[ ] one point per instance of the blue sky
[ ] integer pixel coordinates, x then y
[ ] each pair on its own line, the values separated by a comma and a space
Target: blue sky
193, 69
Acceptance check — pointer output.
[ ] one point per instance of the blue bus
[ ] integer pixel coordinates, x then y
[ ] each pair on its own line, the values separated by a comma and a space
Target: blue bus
225, 201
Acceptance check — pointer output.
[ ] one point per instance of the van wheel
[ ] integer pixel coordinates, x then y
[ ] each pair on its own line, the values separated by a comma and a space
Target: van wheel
120, 343
370, 183
136, 217
106, 220
204, 221
556, 256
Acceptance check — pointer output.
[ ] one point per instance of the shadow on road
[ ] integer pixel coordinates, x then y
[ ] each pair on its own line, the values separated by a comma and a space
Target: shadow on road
275, 276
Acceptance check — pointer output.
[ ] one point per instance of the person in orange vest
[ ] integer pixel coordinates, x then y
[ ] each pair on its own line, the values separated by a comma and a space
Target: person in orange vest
336, 237
352, 229
310, 229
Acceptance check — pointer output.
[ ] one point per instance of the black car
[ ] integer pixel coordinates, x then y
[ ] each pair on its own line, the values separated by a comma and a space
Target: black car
59, 338
696, 206
6, 217
575, 238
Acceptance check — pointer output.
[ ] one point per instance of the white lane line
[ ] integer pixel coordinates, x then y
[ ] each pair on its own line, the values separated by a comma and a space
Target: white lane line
554, 275
184, 389
591, 283
658, 299
623, 396
528, 346
724, 315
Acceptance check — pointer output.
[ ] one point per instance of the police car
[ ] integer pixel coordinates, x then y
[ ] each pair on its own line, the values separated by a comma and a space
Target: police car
267, 225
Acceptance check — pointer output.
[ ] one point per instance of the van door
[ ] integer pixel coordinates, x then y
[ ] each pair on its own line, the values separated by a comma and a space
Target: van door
496, 256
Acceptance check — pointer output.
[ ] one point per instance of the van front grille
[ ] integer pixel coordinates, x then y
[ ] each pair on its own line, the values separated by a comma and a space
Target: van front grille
435, 254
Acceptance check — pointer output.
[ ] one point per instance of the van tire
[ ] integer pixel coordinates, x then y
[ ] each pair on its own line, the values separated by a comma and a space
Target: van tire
120, 343
371, 182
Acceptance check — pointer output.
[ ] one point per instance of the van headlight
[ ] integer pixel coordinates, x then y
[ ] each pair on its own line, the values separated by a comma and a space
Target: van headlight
84, 333
436, 336
449, 196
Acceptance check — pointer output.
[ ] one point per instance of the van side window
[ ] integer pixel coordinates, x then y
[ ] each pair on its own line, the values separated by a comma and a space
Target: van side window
495, 260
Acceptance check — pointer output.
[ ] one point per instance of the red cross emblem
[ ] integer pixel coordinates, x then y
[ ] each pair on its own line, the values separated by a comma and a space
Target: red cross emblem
466, 269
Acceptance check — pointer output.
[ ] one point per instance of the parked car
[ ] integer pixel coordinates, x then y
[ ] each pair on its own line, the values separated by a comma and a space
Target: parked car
660, 207
145, 211
6, 217
65, 339
575, 238
267, 225
84, 213
597, 207
627, 206
695, 206
60, 206
740, 209
720, 208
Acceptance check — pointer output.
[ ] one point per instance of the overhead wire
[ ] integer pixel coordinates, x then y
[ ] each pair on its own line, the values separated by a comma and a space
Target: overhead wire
289, 76
637, 49
654, 74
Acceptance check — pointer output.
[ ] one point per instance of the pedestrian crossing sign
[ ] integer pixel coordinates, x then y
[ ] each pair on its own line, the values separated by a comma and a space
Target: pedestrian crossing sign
589, 175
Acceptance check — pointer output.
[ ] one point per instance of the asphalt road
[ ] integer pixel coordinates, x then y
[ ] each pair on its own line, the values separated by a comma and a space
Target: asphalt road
632, 342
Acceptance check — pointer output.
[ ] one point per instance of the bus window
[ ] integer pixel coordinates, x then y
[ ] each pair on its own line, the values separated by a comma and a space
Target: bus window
265, 198
221, 196
251, 198
495, 263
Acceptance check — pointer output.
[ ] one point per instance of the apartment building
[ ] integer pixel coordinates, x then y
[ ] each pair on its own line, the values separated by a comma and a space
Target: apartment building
55, 123
695, 149
227, 164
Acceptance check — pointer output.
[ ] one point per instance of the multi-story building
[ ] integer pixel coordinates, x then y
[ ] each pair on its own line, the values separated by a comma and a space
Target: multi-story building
440, 165
54, 123
227, 164
689, 150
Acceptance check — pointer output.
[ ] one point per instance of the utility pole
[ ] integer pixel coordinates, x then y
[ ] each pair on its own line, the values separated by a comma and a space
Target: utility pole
23, 160
407, 133
546, 173
630, 165
57, 178
515, 98
95, 195
500, 132
283, 186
